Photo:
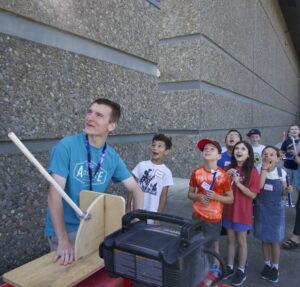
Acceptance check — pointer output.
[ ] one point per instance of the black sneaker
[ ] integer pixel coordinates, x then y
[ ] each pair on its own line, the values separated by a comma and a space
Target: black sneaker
265, 273
238, 278
273, 277
229, 273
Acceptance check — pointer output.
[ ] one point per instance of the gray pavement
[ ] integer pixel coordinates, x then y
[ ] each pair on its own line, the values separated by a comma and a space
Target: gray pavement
178, 204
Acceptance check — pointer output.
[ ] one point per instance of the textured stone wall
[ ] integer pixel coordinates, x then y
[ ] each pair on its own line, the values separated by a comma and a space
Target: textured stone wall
226, 64
56, 58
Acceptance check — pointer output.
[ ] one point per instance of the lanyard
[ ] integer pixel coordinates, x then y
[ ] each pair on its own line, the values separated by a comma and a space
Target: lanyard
89, 156
214, 174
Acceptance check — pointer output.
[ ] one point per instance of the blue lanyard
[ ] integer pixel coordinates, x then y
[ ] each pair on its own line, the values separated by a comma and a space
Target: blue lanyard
89, 156
214, 174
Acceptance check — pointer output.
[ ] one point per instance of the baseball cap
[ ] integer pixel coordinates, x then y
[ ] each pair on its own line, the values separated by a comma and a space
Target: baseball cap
201, 144
253, 132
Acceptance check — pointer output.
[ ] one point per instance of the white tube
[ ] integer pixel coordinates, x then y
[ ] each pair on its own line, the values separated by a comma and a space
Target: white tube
48, 177
294, 144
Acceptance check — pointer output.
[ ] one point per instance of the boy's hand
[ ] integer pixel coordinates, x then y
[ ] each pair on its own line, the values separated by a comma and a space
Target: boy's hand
290, 189
211, 195
203, 198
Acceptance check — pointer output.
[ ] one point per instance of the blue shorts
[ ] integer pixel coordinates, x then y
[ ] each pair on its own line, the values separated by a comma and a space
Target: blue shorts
228, 224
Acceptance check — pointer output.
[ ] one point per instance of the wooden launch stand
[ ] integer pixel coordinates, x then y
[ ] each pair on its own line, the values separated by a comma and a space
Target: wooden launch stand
106, 216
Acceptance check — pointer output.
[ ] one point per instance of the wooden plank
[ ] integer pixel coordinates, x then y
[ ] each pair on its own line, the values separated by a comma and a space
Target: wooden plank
106, 211
43, 273
114, 211
91, 232
87, 197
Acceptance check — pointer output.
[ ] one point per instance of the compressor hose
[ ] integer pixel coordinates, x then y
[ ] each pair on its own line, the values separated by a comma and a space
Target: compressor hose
222, 270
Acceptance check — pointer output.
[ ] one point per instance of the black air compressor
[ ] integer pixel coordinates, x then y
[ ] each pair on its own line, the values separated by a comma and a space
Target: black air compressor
168, 255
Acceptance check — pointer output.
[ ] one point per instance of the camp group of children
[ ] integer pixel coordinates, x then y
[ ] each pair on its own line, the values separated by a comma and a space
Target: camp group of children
223, 191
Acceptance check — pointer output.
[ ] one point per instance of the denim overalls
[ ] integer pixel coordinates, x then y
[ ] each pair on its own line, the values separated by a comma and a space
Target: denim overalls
269, 213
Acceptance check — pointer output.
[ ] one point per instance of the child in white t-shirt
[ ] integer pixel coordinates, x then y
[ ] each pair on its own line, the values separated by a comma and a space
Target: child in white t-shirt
153, 176
254, 136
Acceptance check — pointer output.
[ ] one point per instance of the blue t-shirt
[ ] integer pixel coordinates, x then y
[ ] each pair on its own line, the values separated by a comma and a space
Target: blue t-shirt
69, 160
288, 147
225, 160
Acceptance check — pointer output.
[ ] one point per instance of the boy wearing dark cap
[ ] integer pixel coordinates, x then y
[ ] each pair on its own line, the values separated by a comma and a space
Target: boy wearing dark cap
209, 189
254, 135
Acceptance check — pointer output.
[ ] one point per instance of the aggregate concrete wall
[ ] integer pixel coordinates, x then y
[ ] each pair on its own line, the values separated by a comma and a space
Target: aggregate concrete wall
223, 65
56, 58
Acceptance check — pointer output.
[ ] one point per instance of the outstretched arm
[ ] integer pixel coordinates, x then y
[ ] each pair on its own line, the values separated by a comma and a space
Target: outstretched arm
163, 199
65, 249
138, 196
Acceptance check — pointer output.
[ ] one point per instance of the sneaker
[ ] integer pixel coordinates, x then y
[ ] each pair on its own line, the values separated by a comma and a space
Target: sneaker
229, 273
273, 277
238, 278
265, 273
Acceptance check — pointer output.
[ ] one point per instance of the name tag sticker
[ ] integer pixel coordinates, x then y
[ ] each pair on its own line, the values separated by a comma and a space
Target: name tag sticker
205, 185
268, 187
226, 163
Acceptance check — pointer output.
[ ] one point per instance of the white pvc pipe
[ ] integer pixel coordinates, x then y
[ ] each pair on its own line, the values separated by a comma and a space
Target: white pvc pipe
40, 168
294, 144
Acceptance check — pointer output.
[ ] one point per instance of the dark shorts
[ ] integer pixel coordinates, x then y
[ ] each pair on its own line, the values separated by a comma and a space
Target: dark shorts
211, 230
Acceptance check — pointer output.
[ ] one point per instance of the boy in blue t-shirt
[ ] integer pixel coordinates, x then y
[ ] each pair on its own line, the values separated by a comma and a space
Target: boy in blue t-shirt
232, 137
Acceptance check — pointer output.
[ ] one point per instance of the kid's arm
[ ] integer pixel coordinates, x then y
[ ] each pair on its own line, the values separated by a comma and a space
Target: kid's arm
297, 159
130, 197
163, 199
192, 195
265, 168
227, 198
263, 174
286, 189
129, 201
245, 190
262, 178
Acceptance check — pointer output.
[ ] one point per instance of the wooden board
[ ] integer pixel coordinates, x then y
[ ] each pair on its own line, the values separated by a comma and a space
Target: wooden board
43, 273
114, 211
106, 211
91, 232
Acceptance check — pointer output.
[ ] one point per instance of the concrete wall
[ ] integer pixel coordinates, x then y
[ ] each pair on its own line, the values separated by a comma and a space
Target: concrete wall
225, 64
56, 58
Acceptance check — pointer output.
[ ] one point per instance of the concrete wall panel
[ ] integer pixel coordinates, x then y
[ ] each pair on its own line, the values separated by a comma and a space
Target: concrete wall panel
124, 25
224, 112
180, 60
223, 22
23, 202
181, 110
46, 91
267, 117
267, 94
178, 18
220, 70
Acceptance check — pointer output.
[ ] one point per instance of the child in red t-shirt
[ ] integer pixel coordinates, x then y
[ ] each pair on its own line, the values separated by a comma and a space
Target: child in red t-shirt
237, 217
209, 189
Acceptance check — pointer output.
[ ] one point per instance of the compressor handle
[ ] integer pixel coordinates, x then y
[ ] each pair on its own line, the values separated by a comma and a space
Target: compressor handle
188, 227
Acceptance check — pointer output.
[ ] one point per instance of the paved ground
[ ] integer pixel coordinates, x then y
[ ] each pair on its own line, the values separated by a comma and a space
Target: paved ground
179, 205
